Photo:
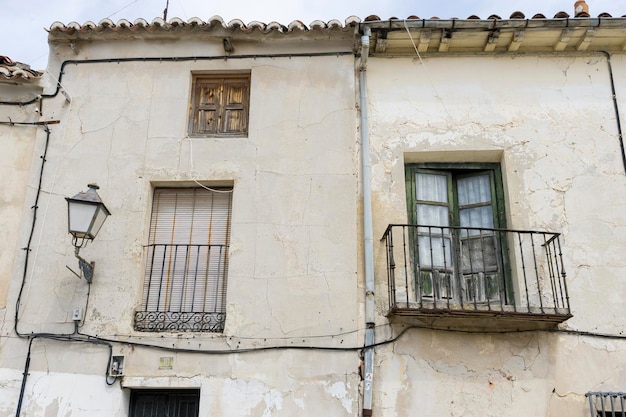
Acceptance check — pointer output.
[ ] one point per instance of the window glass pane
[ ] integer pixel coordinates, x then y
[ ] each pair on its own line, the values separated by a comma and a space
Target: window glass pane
434, 251
431, 187
432, 215
475, 189
476, 217
479, 254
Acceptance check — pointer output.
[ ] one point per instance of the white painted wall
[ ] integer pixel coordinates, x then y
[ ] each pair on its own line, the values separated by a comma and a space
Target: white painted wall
292, 279
550, 122
17, 143
295, 276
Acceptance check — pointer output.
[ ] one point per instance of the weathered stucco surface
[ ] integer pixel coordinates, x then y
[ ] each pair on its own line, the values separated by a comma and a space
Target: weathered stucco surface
555, 136
296, 275
16, 149
292, 279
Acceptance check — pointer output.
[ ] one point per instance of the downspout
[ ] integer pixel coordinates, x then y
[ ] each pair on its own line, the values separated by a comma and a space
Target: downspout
616, 107
368, 234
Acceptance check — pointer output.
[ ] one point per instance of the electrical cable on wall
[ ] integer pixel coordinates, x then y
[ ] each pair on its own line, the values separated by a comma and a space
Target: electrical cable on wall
76, 336
215, 190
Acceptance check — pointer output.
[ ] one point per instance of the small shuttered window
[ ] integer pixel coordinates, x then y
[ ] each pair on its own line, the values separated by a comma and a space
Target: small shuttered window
187, 261
219, 105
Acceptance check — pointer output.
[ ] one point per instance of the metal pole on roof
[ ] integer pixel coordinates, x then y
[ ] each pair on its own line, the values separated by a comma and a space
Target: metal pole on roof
167, 6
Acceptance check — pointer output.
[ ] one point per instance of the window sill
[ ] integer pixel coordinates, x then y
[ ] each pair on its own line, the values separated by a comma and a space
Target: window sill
217, 136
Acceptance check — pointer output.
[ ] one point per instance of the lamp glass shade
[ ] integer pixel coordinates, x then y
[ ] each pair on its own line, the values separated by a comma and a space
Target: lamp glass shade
86, 214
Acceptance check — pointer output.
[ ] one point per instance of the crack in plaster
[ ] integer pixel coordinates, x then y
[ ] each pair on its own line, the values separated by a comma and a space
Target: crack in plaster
323, 119
308, 199
528, 348
567, 394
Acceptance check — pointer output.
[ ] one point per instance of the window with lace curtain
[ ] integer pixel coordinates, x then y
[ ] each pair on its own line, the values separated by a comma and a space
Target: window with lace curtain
459, 253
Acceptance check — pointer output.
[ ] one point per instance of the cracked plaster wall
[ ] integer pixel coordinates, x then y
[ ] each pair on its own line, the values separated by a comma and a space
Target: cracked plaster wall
293, 258
16, 148
550, 122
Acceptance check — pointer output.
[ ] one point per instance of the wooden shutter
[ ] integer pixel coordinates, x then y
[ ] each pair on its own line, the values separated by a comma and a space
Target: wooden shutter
207, 107
220, 105
235, 105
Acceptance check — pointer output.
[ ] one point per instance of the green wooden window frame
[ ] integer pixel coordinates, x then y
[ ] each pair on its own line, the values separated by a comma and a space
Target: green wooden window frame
450, 278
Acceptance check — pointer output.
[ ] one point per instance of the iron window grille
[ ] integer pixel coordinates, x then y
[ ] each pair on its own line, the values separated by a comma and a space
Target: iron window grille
187, 261
164, 402
607, 404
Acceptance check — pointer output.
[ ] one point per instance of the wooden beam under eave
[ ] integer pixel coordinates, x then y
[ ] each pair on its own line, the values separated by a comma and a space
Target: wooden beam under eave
446, 38
425, 36
516, 42
563, 41
381, 45
492, 42
586, 40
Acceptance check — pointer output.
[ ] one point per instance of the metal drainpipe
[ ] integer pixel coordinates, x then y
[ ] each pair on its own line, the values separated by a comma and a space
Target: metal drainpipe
368, 235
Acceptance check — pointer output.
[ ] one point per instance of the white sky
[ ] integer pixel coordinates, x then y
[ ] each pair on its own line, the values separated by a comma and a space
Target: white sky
23, 37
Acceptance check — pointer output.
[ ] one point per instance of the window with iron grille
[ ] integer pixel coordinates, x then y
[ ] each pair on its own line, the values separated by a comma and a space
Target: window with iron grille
607, 404
459, 253
220, 105
164, 402
187, 261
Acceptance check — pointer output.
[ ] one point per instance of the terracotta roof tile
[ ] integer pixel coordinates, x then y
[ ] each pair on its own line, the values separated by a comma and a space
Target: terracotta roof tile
58, 28
17, 71
514, 15
216, 22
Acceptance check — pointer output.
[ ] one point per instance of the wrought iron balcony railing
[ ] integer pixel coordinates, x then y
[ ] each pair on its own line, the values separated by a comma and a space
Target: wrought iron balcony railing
184, 288
470, 272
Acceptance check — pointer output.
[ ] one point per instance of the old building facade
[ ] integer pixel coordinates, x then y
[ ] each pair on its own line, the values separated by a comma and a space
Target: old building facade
378, 217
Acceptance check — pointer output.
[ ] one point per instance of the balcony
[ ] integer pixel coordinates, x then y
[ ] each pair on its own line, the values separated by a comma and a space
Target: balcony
475, 278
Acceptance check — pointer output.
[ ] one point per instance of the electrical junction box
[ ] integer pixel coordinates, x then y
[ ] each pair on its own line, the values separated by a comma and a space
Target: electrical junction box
77, 314
116, 367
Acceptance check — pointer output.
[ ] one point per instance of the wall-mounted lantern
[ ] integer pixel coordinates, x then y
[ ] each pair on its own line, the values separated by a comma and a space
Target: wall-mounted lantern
86, 214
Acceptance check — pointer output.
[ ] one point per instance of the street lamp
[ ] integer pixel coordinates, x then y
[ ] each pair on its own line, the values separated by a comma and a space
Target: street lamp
86, 214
